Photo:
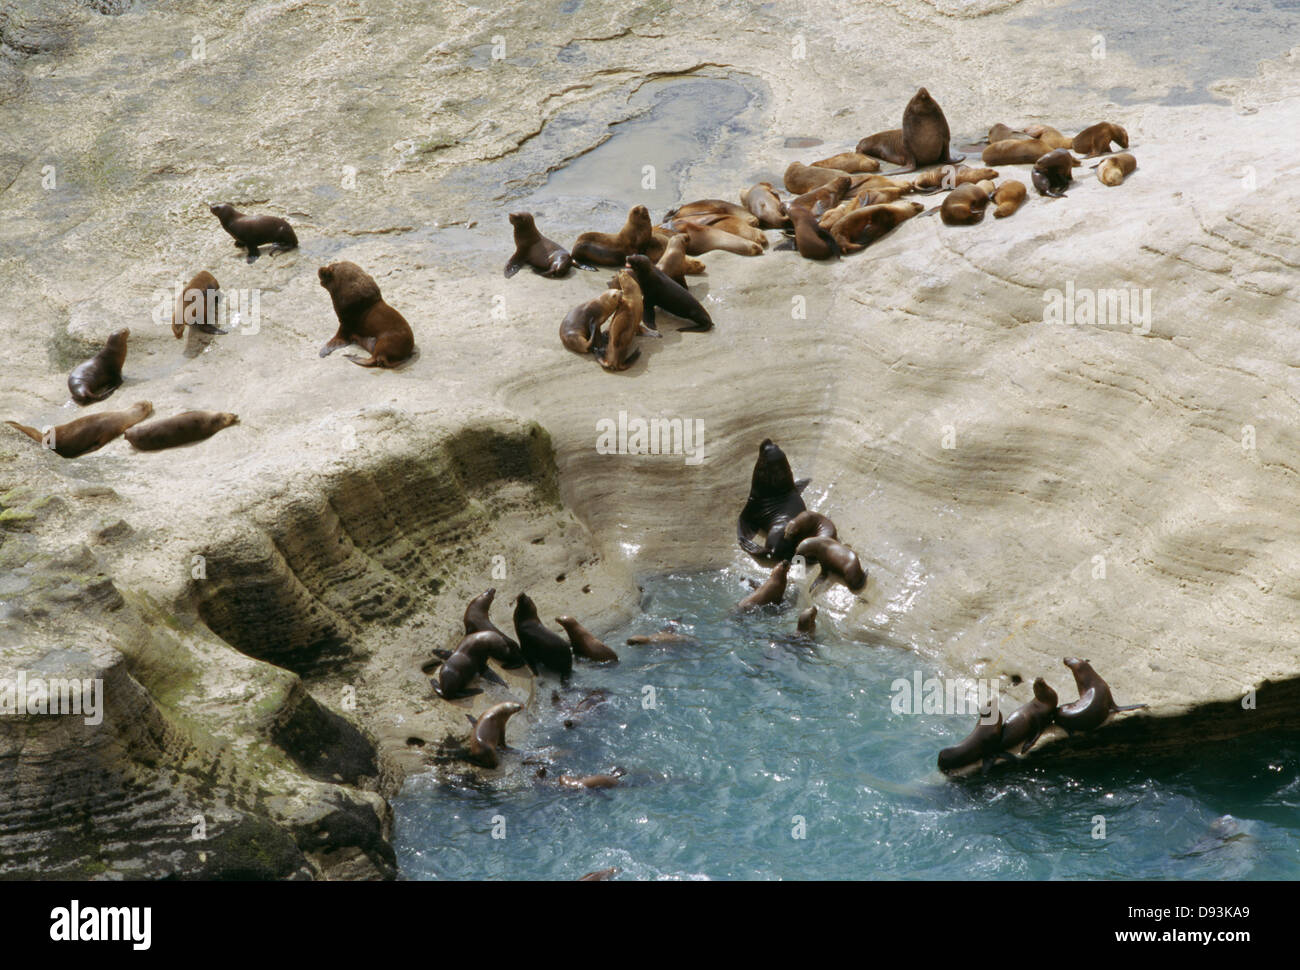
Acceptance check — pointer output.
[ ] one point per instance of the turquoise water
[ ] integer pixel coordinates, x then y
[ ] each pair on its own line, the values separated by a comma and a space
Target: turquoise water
749, 731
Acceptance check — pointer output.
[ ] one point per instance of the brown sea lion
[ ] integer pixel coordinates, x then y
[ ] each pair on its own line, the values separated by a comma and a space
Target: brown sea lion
254, 231
96, 379
1096, 139
713, 207
949, 177
965, 205
364, 318
624, 324
807, 625
541, 647
1001, 132
1051, 174
884, 144
705, 239
667, 635
982, 745
808, 523
180, 429
762, 200
877, 183
610, 249
864, 226
737, 227
546, 257
810, 239
836, 559
88, 433
923, 139
1049, 136
676, 264
581, 326
831, 216
584, 644
1030, 720
488, 734
1116, 168
197, 306
1095, 703
825, 197
458, 668
600, 875
800, 178
478, 618
771, 591
589, 781
1015, 151
1008, 197
851, 162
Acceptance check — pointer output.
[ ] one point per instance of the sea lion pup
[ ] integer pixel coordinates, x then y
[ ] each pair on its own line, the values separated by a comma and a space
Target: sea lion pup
949, 177
862, 227
807, 523
771, 591
965, 205
542, 647
600, 875
88, 433
807, 622
800, 178
773, 501
660, 291
830, 217
713, 207
606, 249
1049, 136
1095, 702
1001, 132
197, 306
584, 644
836, 559
546, 257
982, 745
705, 239
737, 227
457, 669
1113, 170
1030, 720
1096, 139
254, 231
581, 325
180, 429
762, 200
1008, 197
1015, 151
676, 265
810, 239
487, 734
624, 325
824, 197
851, 162
478, 619
364, 318
96, 379
923, 139
1051, 174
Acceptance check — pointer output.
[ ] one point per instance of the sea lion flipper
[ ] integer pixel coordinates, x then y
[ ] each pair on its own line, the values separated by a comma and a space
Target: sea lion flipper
490, 675
514, 266
1024, 748
648, 315
30, 432
801, 484
745, 535
1130, 707
822, 577
333, 344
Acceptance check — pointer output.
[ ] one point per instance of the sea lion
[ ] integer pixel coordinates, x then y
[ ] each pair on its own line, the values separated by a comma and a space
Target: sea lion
1015, 151
800, 178
660, 291
705, 239
676, 264
364, 318
546, 257
950, 177
851, 162
1113, 170
807, 622
830, 217
606, 249
1095, 702
584, 644
836, 559
197, 306
713, 207
1008, 197
983, 744
469, 660
1096, 139
771, 591
965, 205
923, 139
737, 227
762, 200
1030, 720
580, 327
253, 231
591, 781
1051, 173
808, 523
541, 647
827, 196
773, 501
89, 432
96, 379
666, 635
1001, 132
1049, 136
864, 226
859, 184
600, 875
478, 618
487, 734
624, 324
180, 429
810, 239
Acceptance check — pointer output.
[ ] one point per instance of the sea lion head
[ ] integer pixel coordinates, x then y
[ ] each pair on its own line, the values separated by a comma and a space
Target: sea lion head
225, 419
1084, 675
1044, 693
772, 470
525, 608
921, 96
348, 284
222, 211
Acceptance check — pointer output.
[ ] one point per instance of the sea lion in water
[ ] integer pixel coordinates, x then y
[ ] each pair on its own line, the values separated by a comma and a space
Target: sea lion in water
852, 163
1096, 139
864, 226
773, 501
983, 744
950, 177
800, 178
676, 264
771, 591
1030, 720
541, 647
836, 559
807, 622
88, 433
660, 291
1113, 170
965, 205
713, 207
96, 379
1008, 197
1016, 151
923, 139
610, 249
762, 200
624, 325
666, 635
469, 660
1095, 702
180, 429
1051, 173
580, 327
584, 644
810, 239
545, 256
197, 306
488, 734
364, 318
254, 231
478, 618
600, 875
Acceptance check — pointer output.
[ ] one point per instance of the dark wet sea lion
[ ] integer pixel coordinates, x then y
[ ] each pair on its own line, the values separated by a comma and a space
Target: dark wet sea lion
982, 745
541, 647
254, 231
659, 291
458, 668
1030, 720
1051, 173
89, 432
676, 264
478, 619
1095, 703
864, 226
852, 163
1016, 151
666, 635
96, 379
1096, 139
580, 328
762, 200
836, 559
965, 205
624, 324
584, 644
716, 207
1113, 170
600, 875
923, 139
590, 781
197, 306
810, 239
610, 249
179, 429
545, 256
488, 733
364, 318
808, 621
771, 591
1008, 197
773, 501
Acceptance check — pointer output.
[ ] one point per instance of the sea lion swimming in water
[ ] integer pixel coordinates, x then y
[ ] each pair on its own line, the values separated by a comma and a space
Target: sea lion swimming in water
807, 622
546, 257
1030, 720
97, 378
89, 432
668, 634
477, 619
773, 501
771, 591
923, 139
1095, 703
584, 644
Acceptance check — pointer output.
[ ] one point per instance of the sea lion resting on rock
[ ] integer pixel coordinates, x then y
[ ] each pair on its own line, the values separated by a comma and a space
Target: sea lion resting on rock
965, 205
89, 432
1049, 136
488, 734
810, 239
706, 239
180, 429
1051, 174
581, 326
713, 207
771, 591
762, 200
584, 644
469, 660
864, 226
1113, 170
836, 559
1096, 139
96, 379
1008, 197
950, 177
545, 256
923, 139
773, 501
610, 249
1016, 151
852, 163
254, 231
1095, 703
807, 523
824, 197
800, 178
364, 318
737, 227
676, 264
